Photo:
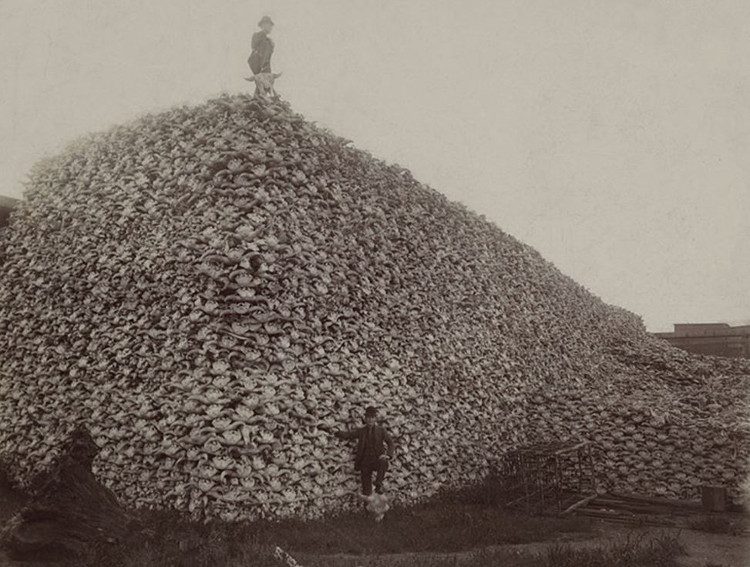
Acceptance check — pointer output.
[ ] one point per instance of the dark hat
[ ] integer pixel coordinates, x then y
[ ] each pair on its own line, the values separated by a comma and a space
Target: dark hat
371, 411
265, 20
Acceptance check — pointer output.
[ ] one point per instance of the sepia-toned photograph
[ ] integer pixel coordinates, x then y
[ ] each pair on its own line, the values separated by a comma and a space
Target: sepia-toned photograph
374, 283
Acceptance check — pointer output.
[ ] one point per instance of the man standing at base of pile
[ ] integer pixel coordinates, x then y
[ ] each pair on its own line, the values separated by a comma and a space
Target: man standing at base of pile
371, 455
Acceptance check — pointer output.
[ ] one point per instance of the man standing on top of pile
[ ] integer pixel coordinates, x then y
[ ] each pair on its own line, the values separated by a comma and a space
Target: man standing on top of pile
260, 59
262, 45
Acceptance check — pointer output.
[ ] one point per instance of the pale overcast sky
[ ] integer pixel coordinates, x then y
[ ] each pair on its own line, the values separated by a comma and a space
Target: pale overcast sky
613, 136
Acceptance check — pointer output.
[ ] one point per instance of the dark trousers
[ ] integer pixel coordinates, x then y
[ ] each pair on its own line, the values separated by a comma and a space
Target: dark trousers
365, 472
256, 65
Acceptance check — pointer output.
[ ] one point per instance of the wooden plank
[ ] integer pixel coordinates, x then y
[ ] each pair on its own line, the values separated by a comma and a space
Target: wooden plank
642, 509
578, 504
605, 513
637, 522
634, 506
656, 500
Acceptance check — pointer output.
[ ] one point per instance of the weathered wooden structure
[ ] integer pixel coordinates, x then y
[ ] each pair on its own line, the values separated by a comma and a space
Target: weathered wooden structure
555, 477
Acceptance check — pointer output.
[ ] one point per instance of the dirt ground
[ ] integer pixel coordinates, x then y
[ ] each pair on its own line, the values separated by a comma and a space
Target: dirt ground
720, 549
702, 549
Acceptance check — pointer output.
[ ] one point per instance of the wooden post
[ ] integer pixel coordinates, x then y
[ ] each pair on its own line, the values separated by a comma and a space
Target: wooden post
714, 498
579, 504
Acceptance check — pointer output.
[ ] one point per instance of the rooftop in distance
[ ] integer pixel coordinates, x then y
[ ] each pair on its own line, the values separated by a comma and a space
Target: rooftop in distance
6, 205
719, 339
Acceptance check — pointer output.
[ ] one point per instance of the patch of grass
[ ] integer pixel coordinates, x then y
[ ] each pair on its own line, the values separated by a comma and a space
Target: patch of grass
166, 540
435, 527
451, 522
480, 558
719, 524
633, 551
660, 551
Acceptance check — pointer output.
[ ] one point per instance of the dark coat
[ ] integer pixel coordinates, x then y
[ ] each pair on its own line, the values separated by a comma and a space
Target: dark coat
260, 58
381, 439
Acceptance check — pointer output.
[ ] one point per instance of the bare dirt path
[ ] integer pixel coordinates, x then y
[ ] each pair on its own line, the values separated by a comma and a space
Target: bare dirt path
701, 549
719, 549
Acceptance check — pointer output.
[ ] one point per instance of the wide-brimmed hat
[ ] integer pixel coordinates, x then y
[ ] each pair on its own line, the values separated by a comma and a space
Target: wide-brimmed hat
265, 20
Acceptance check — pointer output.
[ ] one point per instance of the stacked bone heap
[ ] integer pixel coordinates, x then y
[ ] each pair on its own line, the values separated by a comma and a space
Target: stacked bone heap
213, 290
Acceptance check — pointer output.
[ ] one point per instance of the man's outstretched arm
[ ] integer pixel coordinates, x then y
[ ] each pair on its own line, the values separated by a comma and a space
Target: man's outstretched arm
350, 434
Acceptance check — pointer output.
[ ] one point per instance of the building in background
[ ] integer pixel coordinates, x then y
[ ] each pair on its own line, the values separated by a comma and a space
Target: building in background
718, 339
6, 205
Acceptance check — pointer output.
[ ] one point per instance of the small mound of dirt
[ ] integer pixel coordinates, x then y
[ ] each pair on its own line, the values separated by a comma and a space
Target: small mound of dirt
68, 511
